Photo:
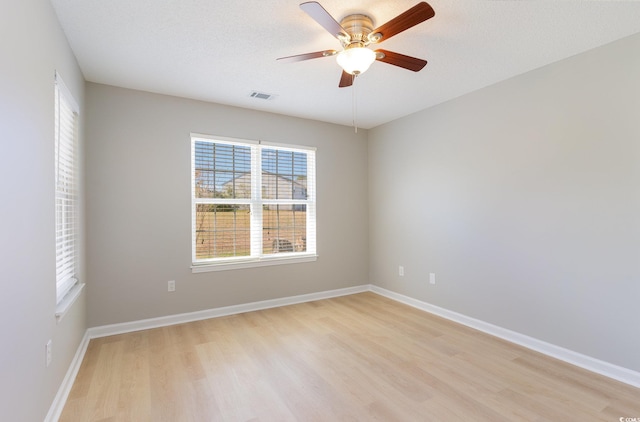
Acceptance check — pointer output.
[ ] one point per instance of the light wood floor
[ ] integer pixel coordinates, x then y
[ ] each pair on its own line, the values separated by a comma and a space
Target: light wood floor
357, 358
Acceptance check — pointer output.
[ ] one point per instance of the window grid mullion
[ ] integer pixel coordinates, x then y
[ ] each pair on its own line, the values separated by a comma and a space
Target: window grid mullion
256, 201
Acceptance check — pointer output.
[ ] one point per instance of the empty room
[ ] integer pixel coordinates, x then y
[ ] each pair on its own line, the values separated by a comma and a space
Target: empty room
320, 211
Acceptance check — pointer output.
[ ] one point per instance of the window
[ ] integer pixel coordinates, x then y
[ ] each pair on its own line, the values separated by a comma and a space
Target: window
66, 196
253, 203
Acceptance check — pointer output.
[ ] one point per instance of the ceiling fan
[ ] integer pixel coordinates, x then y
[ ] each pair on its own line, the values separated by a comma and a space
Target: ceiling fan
355, 32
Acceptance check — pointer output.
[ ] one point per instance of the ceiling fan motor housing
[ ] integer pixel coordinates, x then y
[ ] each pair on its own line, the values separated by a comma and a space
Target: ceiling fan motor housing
359, 28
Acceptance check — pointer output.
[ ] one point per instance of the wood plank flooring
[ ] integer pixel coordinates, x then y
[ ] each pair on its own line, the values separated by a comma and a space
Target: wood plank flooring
355, 358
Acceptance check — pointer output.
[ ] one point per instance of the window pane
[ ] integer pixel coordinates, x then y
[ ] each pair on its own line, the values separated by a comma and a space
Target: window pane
227, 185
284, 228
222, 231
222, 171
284, 174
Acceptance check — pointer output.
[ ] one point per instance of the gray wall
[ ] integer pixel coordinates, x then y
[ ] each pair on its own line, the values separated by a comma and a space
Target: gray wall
139, 207
32, 47
524, 199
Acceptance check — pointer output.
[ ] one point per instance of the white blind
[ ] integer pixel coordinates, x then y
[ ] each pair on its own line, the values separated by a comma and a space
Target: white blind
66, 189
251, 201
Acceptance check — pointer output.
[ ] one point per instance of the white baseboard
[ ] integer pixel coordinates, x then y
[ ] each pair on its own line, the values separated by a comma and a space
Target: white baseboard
65, 388
145, 324
609, 370
624, 375
108, 330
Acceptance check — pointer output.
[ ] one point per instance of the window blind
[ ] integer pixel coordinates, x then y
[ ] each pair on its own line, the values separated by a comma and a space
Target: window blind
251, 201
66, 189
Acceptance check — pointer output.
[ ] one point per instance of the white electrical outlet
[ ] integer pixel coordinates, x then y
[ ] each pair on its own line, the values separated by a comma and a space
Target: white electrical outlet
171, 286
432, 278
47, 349
401, 271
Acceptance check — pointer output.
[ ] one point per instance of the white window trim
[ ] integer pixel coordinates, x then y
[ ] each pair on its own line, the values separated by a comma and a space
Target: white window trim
246, 263
69, 299
255, 260
67, 290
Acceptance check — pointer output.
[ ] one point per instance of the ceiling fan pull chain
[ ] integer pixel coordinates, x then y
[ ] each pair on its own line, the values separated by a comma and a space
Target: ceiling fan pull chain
354, 102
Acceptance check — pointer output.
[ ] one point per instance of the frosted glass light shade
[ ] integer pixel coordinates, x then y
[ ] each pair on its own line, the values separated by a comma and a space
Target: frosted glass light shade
356, 60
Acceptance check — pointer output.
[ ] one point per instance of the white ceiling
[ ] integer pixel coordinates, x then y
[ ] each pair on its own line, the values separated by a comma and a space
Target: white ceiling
221, 51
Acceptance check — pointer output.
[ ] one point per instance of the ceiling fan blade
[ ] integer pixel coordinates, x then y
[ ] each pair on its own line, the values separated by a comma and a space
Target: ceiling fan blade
307, 56
320, 15
346, 80
397, 59
418, 13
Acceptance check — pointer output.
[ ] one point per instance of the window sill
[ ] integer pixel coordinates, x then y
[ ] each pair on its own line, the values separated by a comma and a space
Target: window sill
264, 262
65, 304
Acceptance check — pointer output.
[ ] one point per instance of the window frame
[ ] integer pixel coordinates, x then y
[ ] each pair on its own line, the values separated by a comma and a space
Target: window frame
67, 193
256, 258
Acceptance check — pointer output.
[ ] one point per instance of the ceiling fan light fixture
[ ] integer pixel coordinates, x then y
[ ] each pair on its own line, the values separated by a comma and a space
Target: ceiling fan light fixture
356, 60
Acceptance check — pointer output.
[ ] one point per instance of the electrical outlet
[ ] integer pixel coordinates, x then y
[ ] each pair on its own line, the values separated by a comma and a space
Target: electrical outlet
48, 352
171, 286
401, 271
432, 278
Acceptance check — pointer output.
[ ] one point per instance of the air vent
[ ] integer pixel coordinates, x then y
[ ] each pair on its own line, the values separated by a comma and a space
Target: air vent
261, 95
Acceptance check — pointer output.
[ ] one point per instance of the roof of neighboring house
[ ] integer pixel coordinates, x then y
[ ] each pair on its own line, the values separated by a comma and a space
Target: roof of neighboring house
302, 183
